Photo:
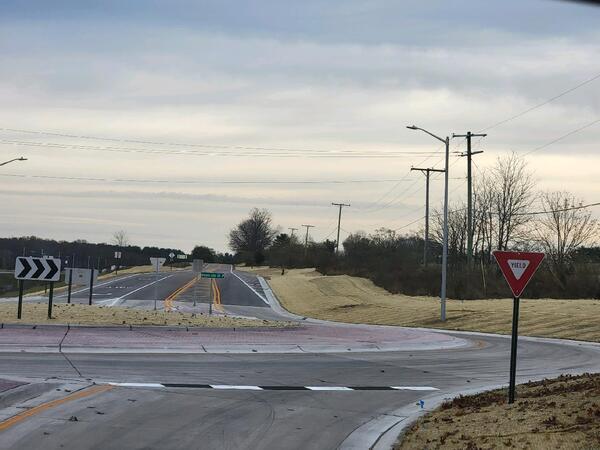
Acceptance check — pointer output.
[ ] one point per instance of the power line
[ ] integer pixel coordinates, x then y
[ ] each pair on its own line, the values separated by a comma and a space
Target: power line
224, 150
564, 136
539, 105
151, 181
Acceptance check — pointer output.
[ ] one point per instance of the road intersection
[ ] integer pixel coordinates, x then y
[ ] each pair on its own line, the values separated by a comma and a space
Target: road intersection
313, 385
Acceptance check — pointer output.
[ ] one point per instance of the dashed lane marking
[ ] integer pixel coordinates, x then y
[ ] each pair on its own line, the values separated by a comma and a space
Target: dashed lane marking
276, 387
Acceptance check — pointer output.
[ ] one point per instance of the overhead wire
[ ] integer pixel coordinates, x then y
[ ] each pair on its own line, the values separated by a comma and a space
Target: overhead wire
179, 181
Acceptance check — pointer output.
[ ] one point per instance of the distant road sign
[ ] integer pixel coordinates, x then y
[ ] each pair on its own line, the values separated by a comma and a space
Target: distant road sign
197, 265
182, 256
212, 275
171, 255
117, 255
32, 268
80, 276
518, 268
157, 262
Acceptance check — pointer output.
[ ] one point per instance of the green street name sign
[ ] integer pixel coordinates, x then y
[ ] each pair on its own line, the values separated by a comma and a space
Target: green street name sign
212, 275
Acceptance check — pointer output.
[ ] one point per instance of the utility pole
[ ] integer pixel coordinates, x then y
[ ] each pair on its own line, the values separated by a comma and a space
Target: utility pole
426, 172
469, 154
292, 231
337, 242
306, 239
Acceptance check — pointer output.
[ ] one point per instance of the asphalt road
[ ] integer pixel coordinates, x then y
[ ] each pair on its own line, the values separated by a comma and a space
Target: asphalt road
195, 414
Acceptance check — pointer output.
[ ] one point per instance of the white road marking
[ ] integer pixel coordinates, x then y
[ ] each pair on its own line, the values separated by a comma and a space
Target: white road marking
328, 388
98, 285
229, 386
414, 388
151, 385
247, 285
143, 287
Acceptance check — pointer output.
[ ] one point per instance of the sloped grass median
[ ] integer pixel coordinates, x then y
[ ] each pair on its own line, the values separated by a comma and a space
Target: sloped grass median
550, 414
344, 298
75, 314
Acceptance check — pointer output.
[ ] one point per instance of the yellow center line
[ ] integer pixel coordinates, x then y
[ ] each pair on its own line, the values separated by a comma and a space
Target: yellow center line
217, 297
168, 302
45, 406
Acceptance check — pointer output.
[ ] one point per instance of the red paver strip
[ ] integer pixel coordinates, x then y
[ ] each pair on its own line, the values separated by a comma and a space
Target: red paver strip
195, 338
41, 336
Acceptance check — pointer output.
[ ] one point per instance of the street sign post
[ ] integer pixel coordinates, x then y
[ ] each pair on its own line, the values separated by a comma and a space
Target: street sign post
41, 269
156, 263
117, 257
80, 277
197, 265
212, 275
517, 268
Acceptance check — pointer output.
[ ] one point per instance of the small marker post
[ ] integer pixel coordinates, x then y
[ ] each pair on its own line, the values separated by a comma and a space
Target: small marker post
20, 306
91, 286
50, 299
70, 285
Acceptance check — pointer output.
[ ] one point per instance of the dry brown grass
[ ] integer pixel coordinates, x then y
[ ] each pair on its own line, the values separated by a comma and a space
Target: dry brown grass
357, 300
563, 413
75, 314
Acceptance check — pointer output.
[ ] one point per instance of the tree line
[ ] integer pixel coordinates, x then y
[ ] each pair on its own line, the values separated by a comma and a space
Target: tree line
505, 217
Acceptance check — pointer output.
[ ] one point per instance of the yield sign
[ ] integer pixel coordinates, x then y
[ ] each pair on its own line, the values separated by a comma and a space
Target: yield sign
518, 268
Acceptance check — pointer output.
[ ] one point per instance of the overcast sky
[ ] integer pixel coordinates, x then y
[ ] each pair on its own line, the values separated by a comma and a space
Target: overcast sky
278, 91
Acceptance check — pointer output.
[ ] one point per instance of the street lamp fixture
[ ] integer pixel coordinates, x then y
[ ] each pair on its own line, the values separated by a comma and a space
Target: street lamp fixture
11, 160
446, 142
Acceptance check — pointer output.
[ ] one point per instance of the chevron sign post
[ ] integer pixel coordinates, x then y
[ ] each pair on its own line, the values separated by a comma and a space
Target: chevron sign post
40, 269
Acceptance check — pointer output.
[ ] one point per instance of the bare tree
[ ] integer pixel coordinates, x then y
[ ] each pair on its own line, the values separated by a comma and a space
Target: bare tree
503, 196
457, 229
120, 238
253, 235
562, 229
513, 185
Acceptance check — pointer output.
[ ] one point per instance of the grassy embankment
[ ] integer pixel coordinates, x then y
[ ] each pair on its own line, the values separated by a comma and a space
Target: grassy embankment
560, 413
76, 314
358, 300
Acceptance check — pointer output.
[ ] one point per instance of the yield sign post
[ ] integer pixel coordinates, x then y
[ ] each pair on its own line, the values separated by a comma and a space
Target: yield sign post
517, 268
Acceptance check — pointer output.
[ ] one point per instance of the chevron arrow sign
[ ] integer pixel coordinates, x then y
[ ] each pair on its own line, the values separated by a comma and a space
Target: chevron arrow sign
32, 268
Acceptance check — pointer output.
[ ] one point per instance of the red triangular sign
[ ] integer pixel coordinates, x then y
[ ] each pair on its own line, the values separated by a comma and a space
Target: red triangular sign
518, 268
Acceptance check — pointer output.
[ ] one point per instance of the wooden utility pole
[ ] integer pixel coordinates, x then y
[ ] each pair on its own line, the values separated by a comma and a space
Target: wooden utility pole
306, 239
337, 241
426, 172
469, 154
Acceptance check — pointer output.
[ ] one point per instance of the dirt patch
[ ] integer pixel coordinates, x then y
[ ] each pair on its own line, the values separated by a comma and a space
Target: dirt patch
357, 300
559, 413
75, 314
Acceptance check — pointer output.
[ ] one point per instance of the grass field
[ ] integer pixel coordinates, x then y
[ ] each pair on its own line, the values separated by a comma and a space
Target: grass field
357, 300
562, 413
75, 314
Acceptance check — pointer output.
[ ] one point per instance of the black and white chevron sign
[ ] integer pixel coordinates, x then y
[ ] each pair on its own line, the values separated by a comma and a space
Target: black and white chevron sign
32, 268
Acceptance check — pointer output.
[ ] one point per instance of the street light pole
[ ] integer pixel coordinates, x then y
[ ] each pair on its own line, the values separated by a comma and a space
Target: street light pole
446, 142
